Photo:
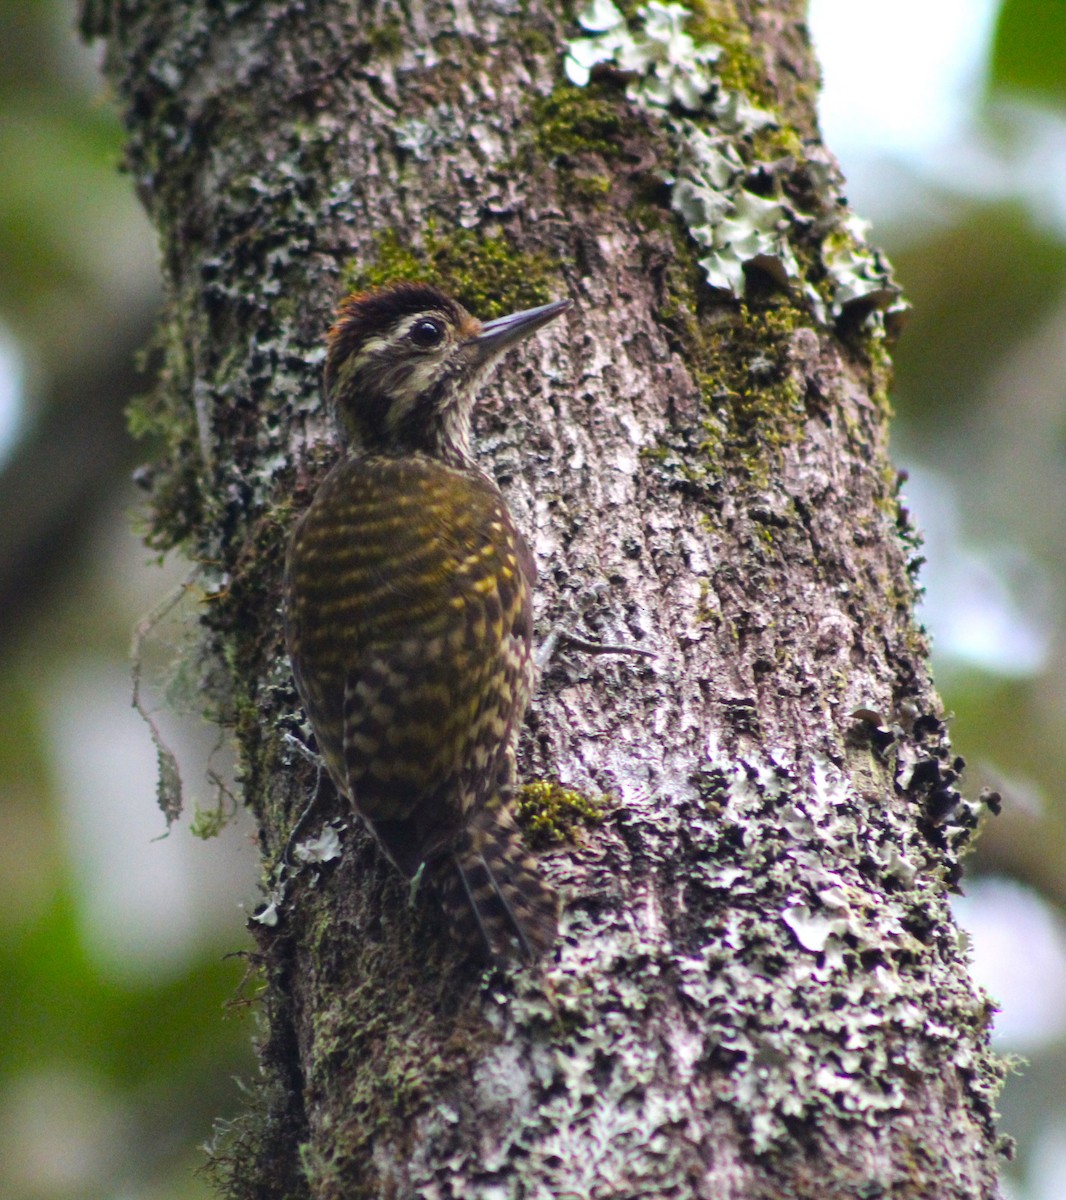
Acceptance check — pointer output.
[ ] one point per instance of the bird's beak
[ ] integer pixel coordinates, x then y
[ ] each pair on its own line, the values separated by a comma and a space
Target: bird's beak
496, 336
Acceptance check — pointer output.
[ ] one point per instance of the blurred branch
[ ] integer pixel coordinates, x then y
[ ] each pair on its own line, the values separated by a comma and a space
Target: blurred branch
1028, 845
68, 463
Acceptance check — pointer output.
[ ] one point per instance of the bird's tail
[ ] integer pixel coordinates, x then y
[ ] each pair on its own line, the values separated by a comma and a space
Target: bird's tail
492, 891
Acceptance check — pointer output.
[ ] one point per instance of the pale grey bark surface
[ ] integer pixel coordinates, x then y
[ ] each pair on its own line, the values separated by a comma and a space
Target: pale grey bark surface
759, 990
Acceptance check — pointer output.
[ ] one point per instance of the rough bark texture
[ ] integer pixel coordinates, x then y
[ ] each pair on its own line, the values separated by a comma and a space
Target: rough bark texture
759, 990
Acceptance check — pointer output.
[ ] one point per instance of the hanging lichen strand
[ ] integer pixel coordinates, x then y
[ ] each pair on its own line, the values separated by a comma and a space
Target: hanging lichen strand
671, 75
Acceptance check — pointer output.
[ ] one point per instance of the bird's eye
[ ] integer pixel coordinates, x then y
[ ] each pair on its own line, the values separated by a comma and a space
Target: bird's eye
426, 333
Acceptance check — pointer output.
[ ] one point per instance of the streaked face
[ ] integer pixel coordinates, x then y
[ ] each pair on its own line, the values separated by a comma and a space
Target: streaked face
405, 362
419, 366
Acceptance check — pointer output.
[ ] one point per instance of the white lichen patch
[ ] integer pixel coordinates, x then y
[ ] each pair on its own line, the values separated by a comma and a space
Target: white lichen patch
788, 826
813, 929
269, 913
671, 74
858, 271
671, 65
786, 984
736, 227
322, 848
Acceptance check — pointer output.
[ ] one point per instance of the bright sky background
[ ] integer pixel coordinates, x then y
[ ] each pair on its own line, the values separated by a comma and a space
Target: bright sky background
900, 76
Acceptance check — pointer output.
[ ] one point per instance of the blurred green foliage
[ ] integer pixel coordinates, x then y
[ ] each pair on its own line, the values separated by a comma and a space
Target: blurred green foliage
108, 1081
1027, 52
71, 233
978, 285
981, 396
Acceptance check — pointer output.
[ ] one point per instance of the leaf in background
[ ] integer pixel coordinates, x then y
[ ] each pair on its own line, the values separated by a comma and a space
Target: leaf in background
1027, 49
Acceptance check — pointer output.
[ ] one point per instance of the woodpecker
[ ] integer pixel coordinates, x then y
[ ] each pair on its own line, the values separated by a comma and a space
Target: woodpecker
408, 616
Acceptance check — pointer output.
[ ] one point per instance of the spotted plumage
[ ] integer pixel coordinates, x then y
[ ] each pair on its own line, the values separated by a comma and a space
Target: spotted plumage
408, 612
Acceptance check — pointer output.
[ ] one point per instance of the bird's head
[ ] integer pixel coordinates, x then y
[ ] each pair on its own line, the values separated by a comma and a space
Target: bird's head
404, 364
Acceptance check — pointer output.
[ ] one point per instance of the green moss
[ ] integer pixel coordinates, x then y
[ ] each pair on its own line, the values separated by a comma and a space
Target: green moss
145, 417
535, 40
775, 142
707, 607
570, 121
386, 38
208, 823
738, 69
574, 132
550, 813
372, 1030
483, 271
752, 404
164, 418
881, 373
591, 187
402, 1082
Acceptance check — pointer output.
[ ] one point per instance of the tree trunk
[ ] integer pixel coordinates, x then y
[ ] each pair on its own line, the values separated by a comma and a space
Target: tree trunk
759, 989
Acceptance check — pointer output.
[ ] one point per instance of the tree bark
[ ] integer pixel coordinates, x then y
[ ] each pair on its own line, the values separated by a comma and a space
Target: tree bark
759, 989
